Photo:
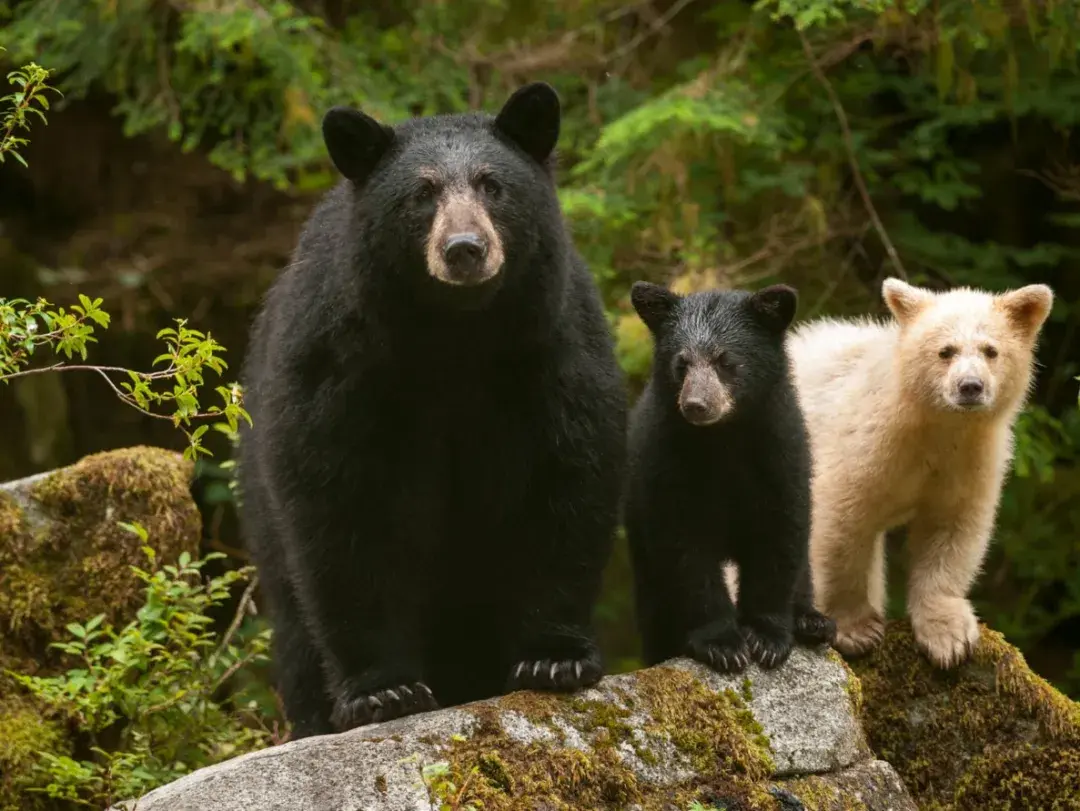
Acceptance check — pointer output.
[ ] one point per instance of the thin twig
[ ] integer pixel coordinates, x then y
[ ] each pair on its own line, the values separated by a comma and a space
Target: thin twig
662, 21
122, 395
849, 145
241, 610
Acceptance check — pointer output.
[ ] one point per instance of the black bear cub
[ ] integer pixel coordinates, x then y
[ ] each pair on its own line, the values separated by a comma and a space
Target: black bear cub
430, 489
719, 472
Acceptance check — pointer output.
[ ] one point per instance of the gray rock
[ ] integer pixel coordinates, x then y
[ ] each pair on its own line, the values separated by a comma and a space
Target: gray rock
804, 709
872, 785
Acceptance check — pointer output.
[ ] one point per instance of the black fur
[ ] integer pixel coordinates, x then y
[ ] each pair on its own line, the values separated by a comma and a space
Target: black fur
431, 485
737, 490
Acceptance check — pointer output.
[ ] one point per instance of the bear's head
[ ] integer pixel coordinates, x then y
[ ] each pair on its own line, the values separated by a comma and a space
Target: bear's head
456, 202
967, 350
717, 353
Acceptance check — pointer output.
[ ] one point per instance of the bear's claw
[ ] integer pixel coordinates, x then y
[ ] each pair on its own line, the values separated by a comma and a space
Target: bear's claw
564, 675
723, 649
769, 648
814, 628
352, 711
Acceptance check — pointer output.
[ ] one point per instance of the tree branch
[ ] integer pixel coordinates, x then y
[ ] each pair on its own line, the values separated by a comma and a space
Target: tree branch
849, 146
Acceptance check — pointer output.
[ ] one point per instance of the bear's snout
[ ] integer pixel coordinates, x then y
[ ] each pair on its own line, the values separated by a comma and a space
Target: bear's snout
703, 399
970, 391
464, 255
464, 248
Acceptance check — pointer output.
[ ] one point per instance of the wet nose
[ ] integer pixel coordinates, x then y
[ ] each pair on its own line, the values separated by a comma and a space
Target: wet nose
694, 409
465, 251
970, 388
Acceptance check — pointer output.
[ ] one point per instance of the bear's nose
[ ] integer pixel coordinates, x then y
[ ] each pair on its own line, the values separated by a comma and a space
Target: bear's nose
695, 409
970, 388
464, 251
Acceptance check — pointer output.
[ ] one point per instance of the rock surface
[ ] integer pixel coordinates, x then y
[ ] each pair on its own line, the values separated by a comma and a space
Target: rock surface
990, 734
654, 739
64, 558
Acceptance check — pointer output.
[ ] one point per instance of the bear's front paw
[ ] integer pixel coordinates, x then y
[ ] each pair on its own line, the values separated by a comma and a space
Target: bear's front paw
946, 629
814, 628
562, 675
858, 632
357, 709
768, 640
720, 646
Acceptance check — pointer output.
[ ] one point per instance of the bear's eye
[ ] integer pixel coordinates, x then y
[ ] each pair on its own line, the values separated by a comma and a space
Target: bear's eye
681, 364
490, 186
425, 192
722, 360
990, 352
947, 352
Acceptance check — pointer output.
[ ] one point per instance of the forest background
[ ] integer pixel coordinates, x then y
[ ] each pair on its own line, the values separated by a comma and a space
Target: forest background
823, 143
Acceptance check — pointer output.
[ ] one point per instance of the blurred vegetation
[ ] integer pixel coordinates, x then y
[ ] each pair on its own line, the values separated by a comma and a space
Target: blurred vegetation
825, 143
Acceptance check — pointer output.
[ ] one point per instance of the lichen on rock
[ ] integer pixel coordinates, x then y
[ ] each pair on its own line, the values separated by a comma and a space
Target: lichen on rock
990, 734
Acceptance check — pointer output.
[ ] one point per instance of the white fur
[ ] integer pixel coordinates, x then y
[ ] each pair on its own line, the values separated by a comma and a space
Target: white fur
892, 446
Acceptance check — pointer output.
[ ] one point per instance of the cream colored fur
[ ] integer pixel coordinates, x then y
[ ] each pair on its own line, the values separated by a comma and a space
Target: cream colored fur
892, 446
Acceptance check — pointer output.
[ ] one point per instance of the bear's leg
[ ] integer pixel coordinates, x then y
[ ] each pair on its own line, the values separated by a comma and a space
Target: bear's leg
300, 676
361, 585
849, 580
811, 626
709, 615
946, 546
767, 584
564, 536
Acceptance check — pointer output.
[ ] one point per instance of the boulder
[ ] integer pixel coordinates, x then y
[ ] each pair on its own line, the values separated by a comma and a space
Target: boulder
988, 735
660, 738
64, 558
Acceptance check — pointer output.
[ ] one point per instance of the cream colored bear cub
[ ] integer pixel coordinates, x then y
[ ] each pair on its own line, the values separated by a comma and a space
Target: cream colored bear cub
911, 423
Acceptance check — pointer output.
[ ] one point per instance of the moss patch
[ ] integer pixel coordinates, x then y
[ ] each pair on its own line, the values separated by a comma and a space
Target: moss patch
713, 734
23, 733
990, 734
71, 561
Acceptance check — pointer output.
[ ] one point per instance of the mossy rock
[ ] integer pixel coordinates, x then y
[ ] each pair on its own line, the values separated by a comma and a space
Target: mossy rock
658, 739
990, 734
63, 554
64, 558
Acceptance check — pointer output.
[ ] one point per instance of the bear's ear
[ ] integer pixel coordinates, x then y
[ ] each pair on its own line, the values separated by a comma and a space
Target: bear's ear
653, 303
775, 305
1027, 307
355, 141
530, 118
904, 300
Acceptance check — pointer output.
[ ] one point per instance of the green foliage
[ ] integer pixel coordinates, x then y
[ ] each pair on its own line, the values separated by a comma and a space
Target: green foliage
31, 90
26, 326
152, 688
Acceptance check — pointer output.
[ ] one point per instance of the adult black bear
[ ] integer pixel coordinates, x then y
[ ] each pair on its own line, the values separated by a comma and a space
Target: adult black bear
719, 473
431, 485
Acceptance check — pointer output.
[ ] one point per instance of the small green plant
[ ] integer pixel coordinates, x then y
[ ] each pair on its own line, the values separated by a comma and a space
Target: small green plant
155, 687
31, 90
443, 793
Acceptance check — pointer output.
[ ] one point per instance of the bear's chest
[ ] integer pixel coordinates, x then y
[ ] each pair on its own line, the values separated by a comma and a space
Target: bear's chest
468, 441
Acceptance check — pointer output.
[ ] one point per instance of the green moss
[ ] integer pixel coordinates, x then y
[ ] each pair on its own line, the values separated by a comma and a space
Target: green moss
72, 561
23, 733
715, 734
980, 736
818, 794
747, 691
